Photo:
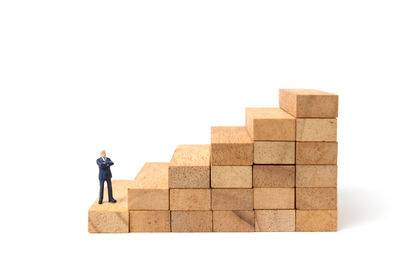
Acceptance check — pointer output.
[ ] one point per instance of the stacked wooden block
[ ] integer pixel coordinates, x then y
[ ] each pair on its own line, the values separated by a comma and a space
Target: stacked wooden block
273, 132
316, 157
278, 173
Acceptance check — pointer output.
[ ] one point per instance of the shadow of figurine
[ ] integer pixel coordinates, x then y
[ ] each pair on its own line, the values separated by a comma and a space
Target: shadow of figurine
105, 175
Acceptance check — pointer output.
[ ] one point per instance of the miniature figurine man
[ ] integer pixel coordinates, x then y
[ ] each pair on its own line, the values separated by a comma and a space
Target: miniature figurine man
105, 175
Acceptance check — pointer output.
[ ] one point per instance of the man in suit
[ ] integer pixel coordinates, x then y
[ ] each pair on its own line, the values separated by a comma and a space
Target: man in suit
105, 175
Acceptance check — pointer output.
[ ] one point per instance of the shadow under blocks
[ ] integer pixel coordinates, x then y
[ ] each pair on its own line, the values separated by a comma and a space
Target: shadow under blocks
277, 173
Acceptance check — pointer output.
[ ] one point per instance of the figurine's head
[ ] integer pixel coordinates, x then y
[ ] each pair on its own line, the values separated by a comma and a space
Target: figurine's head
103, 153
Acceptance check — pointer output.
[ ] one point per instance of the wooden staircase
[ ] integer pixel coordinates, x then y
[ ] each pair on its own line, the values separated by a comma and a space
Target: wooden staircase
278, 173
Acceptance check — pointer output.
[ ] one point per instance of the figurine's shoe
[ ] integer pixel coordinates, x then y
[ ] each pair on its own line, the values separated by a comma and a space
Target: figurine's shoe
112, 201
100, 202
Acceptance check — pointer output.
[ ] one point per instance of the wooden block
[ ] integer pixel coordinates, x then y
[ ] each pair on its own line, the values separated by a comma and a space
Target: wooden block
274, 198
270, 124
231, 177
316, 198
149, 190
316, 153
316, 130
279, 176
190, 167
190, 199
111, 217
150, 221
316, 175
275, 220
232, 199
316, 220
233, 221
191, 221
231, 146
309, 103
266, 152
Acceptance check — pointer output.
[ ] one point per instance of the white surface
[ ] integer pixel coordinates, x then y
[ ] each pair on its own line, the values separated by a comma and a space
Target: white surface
139, 78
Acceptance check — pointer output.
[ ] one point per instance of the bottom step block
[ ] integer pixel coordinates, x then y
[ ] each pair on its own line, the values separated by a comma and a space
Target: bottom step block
111, 217
233, 221
191, 221
316, 220
275, 220
149, 221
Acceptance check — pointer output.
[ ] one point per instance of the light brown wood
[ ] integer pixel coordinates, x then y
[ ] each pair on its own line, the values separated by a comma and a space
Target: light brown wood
308, 103
231, 177
231, 146
316, 220
275, 220
316, 130
190, 167
233, 221
267, 152
232, 199
316, 153
316, 198
278, 176
274, 198
270, 124
191, 221
149, 190
150, 221
316, 175
190, 199
111, 217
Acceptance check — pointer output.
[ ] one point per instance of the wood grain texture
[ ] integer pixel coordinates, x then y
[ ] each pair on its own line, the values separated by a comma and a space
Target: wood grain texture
191, 221
190, 199
270, 124
316, 153
274, 198
111, 217
231, 146
316, 175
150, 221
276, 176
232, 199
309, 103
190, 167
150, 190
316, 130
275, 220
231, 177
316, 198
316, 220
267, 152
233, 221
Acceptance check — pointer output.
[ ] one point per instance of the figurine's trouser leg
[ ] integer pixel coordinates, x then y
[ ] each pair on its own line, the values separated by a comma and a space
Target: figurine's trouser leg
101, 190
109, 189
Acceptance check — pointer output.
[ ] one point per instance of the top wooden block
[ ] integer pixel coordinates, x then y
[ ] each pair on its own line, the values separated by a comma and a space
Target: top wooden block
231, 146
309, 103
270, 124
190, 167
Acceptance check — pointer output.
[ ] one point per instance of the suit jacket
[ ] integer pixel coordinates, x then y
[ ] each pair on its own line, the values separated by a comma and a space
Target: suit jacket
104, 170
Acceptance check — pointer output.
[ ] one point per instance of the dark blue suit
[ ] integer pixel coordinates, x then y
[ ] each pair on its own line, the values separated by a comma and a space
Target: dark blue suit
105, 176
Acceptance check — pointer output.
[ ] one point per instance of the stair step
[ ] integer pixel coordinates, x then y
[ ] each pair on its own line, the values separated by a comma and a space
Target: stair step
190, 167
150, 190
309, 103
231, 145
111, 217
270, 124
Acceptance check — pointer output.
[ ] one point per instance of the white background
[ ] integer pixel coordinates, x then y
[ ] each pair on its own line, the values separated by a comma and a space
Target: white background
139, 77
